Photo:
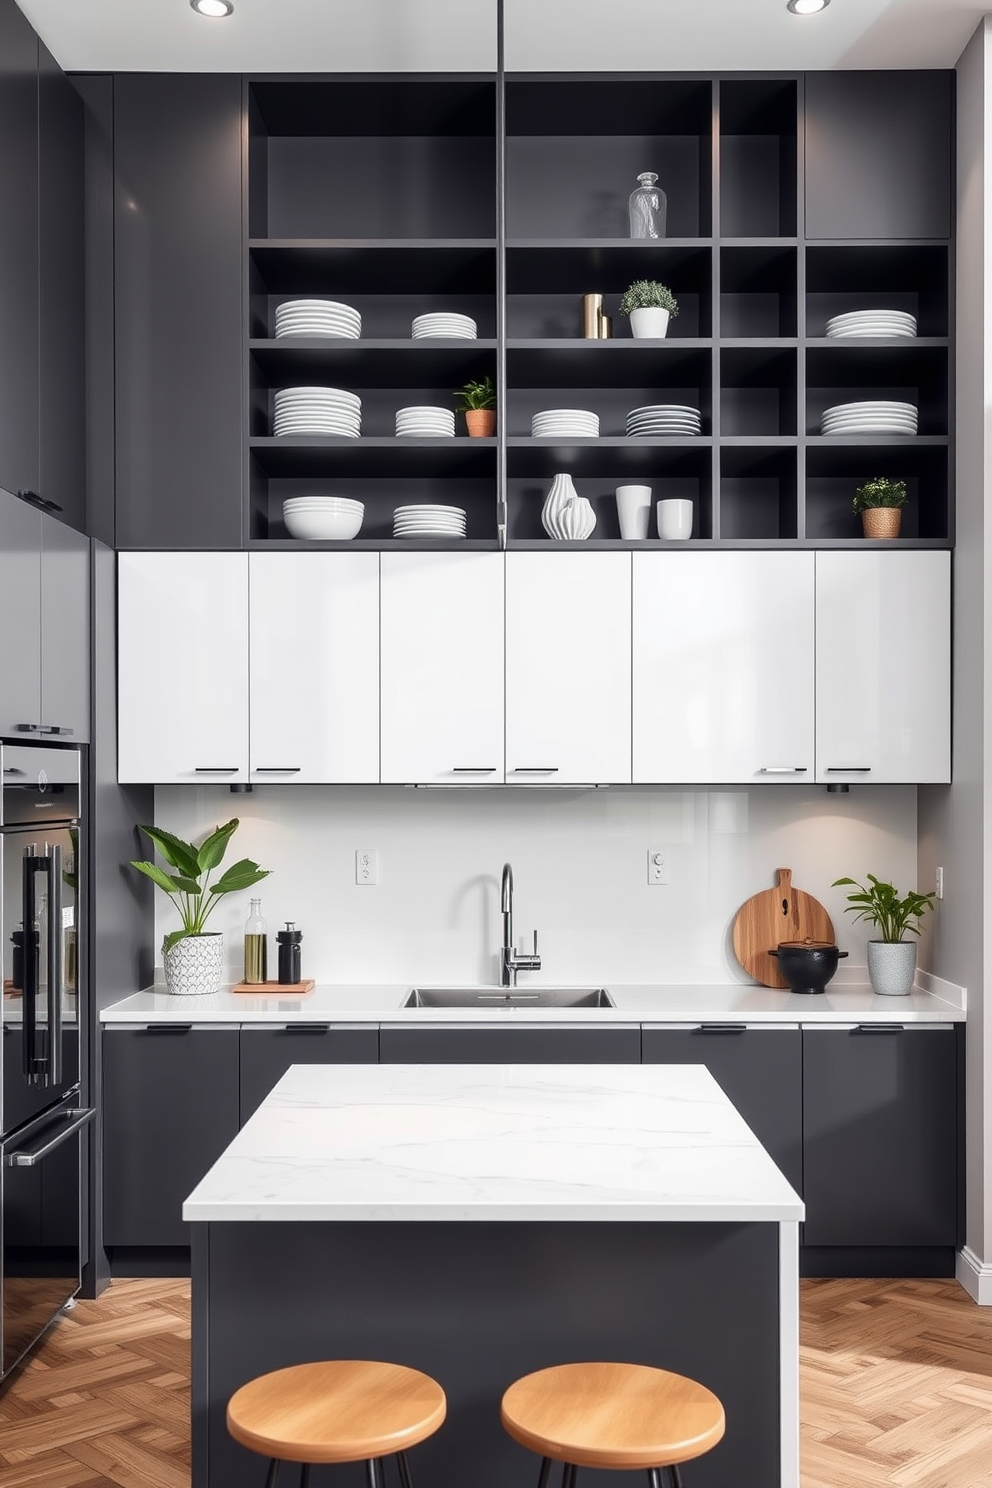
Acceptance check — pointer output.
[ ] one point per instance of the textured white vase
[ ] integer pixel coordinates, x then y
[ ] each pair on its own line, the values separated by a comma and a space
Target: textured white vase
194, 966
561, 493
578, 520
649, 324
892, 967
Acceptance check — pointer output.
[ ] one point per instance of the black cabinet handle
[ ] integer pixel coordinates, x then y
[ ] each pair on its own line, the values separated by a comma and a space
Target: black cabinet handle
28, 728
39, 501
307, 1028
876, 1028
56, 728
721, 1028
849, 769
216, 769
278, 769
166, 1029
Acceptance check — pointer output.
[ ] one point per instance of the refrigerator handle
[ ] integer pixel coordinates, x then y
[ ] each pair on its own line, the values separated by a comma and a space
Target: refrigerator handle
29, 967
53, 870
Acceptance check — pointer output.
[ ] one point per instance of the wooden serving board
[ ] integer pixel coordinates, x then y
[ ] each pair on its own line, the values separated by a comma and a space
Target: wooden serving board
276, 989
774, 915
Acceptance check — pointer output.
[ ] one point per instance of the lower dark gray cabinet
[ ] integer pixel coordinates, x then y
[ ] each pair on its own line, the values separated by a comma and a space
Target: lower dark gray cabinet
760, 1069
496, 1045
170, 1107
267, 1053
880, 1110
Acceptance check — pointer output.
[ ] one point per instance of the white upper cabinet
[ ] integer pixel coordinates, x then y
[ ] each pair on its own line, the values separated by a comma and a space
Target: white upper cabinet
723, 668
883, 667
567, 668
183, 667
441, 668
314, 667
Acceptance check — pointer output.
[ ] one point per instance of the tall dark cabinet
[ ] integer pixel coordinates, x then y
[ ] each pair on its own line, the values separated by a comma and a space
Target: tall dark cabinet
19, 273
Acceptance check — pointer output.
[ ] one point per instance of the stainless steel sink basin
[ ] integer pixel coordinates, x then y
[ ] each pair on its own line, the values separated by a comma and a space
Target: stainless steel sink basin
509, 997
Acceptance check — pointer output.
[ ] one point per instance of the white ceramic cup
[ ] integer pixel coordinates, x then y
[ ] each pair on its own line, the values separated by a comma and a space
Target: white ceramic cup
634, 512
675, 520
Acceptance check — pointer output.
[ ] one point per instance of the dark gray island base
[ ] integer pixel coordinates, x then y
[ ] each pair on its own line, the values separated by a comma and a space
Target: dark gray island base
478, 1304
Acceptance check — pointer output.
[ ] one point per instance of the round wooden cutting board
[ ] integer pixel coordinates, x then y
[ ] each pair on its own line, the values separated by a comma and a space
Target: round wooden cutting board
774, 915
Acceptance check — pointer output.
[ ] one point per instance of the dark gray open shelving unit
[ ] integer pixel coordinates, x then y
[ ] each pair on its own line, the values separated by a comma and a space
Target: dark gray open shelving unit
382, 190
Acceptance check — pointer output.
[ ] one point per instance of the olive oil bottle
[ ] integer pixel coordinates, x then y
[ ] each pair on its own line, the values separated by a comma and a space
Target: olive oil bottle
256, 946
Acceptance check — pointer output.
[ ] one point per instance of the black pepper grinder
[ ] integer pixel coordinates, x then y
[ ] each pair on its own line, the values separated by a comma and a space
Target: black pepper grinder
288, 940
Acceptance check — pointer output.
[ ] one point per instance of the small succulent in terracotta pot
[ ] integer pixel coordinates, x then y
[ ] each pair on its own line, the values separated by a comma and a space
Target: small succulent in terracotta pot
880, 502
478, 403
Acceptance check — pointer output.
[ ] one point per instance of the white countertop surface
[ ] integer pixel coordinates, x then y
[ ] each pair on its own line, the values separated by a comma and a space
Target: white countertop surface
734, 1002
500, 1142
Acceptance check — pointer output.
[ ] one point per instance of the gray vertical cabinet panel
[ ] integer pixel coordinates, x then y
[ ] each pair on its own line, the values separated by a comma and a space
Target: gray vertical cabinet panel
878, 153
20, 583
759, 1069
494, 1045
178, 246
97, 94
18, 251
62, 293
65, 630
880, 1129
267, 1053
170, 1107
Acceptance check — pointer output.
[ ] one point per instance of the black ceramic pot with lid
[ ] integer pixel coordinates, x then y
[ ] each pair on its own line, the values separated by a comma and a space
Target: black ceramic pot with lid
807, 965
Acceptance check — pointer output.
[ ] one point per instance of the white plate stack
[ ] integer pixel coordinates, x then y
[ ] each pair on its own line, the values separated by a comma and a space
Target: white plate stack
317, 410
318, 318
425, 423
323, 518
664, 421
879, 324
429, 521
565, 423
446, 324
879, 417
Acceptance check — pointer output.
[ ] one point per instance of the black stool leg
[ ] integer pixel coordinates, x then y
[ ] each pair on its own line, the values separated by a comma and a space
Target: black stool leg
403, 1463
569, 1475
273, 1473
655, 1478
675, 1476
545, 1475
304, 1475
373, 1477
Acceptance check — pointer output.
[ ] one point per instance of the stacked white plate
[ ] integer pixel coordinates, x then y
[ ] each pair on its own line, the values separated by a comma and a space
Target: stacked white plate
565, 423
318, 518
429, 521
317, 410
664, 421
878, 417
462, 327
873, 323
318, 318
425, 423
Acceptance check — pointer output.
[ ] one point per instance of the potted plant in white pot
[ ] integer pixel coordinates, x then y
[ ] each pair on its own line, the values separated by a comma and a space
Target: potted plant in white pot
650, 306
891, 958
880, 503
193, 957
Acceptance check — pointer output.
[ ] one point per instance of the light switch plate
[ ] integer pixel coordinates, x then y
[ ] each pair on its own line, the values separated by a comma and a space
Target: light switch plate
367, 866
657, 867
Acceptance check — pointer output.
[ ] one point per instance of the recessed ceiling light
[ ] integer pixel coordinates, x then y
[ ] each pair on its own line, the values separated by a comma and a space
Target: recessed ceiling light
218, 8
807, 7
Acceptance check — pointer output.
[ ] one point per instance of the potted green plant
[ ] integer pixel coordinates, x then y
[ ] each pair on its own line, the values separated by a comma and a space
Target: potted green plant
880, 502
478, 403
650, 307
891, 958
193, 957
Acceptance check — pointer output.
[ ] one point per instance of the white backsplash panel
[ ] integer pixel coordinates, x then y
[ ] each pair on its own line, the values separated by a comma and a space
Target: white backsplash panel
580, 863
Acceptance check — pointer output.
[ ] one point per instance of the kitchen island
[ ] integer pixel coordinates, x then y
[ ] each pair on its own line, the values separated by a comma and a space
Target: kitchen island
479, 1222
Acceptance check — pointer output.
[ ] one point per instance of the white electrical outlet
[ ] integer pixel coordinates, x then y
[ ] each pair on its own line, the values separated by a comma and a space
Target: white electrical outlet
939, 884
657, 867
367, 866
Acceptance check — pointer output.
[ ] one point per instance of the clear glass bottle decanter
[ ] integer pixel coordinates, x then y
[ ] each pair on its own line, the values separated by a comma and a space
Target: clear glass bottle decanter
256, 946
648, 208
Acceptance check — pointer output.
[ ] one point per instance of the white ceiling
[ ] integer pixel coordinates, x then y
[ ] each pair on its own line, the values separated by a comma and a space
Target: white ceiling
541, 35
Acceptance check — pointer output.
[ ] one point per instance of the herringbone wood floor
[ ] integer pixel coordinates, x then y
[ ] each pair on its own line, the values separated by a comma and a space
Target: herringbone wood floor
896, 1390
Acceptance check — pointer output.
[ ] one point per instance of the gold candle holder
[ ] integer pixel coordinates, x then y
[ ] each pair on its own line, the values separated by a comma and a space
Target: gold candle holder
605, 327
592, 315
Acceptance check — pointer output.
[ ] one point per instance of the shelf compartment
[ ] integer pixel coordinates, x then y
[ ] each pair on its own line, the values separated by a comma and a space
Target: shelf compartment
564, 182
350, 458
545, 284
610, 365
611, 403
912, 277
758, 173
833, 474
305, 266
379, 406
758, 493
758, 291
375, 363
381, 495
757, 391
902, 371
622, 459
670, 473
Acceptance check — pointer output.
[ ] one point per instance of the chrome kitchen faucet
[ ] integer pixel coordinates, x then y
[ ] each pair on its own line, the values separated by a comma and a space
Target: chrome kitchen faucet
510, 960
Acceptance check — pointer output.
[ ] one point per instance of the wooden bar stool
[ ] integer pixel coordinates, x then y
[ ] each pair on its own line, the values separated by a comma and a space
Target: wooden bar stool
344, 1410
612, 1415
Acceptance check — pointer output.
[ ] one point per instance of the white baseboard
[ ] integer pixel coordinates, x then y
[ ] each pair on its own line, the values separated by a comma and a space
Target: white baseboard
975, 1276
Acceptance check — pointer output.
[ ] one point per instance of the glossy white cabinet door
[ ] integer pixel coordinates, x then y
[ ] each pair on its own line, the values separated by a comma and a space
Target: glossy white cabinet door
723, 668
567, 668
442, 668
883, 667
314, 667
182, 667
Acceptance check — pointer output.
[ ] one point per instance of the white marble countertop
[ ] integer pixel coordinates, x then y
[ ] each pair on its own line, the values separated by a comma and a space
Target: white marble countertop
500, 1142
734, 1002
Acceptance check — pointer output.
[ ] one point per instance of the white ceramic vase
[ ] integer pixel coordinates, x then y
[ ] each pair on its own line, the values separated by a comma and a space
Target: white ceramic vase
892, 967
561, 493
194, 966
578, 520
675, 519
634, 512
649, 324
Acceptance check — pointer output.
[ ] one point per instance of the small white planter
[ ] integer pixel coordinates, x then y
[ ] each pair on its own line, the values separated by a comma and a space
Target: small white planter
194, 966
651, 324
892, 967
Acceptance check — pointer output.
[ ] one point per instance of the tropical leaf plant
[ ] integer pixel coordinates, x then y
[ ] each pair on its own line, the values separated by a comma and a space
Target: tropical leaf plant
188, 885
880, 904
648, 294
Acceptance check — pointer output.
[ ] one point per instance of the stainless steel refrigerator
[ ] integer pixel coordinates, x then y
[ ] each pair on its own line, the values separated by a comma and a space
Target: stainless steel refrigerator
44, 991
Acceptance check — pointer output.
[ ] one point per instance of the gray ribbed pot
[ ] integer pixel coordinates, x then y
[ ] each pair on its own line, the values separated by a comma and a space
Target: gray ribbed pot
194, 966
892, 967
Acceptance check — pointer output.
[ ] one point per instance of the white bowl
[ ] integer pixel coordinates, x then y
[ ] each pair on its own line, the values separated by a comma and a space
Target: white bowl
323, 526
